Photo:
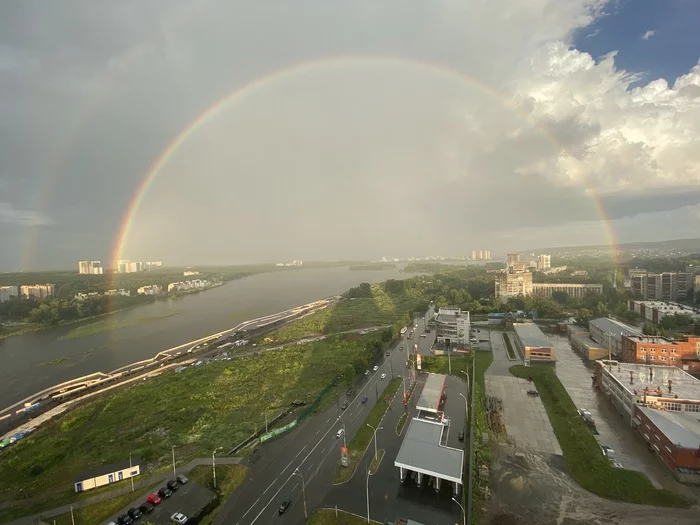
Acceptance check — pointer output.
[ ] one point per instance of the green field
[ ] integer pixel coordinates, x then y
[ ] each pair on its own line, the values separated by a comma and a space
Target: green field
358, 445
582, 455
109, 325
197, 410
350, 314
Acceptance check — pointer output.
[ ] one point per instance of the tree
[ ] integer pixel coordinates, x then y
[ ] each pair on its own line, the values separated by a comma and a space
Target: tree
560, 297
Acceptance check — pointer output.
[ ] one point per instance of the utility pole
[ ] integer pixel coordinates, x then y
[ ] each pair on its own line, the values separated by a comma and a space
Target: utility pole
392, 368
303, 491
375, 430
449, 360
376, 389
367, 490
265, 420
72, 519
174, 473
131, 467
213, 465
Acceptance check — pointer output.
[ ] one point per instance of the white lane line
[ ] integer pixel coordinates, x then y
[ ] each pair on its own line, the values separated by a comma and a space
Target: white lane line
251, 508
288, 465
302, 450
323, 450
316, 434
327, 420
268, 488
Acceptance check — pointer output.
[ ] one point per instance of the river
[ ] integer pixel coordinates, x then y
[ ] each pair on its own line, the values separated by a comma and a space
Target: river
146, 330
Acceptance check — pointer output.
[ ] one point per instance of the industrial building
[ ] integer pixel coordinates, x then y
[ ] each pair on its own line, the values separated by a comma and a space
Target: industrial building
578, 291
646, 349
452, 328
431, 397
609, 332
533, 344
655, 311
663, 404
100, 476
509, 284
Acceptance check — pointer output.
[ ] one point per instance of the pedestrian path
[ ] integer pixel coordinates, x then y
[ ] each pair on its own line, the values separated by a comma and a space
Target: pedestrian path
140, 484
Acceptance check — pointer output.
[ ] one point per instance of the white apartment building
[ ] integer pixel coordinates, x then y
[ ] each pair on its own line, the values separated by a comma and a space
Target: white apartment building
151, 289
194, 284
512, 284
6, 292
90, 268
121, 291
38, 292
544, 262
577, 291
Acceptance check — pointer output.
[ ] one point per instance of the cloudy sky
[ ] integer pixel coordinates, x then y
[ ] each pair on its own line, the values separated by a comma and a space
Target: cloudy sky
324, 129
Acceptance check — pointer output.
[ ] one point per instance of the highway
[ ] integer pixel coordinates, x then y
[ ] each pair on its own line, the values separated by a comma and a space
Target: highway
313, 449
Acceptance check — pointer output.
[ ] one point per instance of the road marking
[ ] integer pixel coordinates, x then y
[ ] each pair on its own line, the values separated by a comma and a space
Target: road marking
316, 434
295, 486
268, 488
288, 465
323, 450
251, 508
302, 450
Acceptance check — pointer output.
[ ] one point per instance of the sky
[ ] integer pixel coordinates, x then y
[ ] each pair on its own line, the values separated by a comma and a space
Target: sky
327, 129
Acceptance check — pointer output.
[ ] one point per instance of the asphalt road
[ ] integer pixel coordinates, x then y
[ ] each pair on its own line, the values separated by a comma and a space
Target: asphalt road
313, 449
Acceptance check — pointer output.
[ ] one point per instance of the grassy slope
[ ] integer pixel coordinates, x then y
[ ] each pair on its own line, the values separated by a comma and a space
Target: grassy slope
197, 410
228, 478
109, 325
582, 454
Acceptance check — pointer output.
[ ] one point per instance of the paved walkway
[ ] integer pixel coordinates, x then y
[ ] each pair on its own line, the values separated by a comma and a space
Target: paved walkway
141, 483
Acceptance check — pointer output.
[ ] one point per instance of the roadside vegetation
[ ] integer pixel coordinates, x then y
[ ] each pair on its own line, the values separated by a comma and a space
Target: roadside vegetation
228, 478
109, 325
333, 517
363, 437
197, 410
583, 456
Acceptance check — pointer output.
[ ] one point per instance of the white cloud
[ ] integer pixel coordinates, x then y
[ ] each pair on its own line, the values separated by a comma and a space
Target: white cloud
11, 215
648, 34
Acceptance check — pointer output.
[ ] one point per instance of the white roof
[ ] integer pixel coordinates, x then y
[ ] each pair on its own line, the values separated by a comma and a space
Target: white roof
421, 452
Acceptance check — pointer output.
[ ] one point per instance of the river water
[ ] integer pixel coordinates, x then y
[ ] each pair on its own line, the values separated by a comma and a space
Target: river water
146, 330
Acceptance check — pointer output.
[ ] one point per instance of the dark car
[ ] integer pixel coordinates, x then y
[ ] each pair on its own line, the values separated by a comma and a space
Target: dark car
298, 403
349, 392
344, 405
284, 506
135, 513
124, 519
165, 492
533, 393
364, 399
387, 354
172, 485
182, 480
146, 508
460, 436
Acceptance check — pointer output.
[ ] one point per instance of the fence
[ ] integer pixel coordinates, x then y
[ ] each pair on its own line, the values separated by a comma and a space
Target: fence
316, 402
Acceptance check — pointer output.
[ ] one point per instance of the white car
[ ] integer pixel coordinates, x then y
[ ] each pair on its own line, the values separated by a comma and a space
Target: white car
340, 433
178, 518
383, 376
375, 368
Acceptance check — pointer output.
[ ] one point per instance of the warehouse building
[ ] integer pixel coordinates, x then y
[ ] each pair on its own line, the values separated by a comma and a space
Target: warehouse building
582, 344
101, 476
533, 344
609, 332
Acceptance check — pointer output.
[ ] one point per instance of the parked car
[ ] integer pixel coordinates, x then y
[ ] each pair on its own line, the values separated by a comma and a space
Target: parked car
298, 403
125, 519
165, 492
366, 372
387, 353
340, 433
178, 518
460, 436
153, 499
383, 376
172, 485
344, 405
135, 513
146, 508
607, 452
182, 480
533, 393
349, 392
364, 399
375, 368
284, 506
423, 335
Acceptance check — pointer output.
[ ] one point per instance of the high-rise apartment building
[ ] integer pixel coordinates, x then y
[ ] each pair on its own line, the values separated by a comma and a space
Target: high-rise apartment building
667, 286
512, 259
7, 292
487, 255
473, 255
38, 292
90, 268
512, 284
127, 266
544, 262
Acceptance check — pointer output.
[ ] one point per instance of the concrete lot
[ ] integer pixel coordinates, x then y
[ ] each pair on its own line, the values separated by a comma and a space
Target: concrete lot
575, 375
188, 499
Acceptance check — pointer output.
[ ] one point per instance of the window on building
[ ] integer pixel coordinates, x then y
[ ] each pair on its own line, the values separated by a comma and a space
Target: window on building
644, 349
673, 350
653, 350
663, 358
692, 408
674, 407
672, 358
651, 358
663, 350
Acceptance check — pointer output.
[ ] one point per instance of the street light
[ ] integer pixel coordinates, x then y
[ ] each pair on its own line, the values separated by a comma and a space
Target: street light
467, 376
174, 473
213, 464
375, 438
131, 475
367, 491
303, 490
464, 516
466, 405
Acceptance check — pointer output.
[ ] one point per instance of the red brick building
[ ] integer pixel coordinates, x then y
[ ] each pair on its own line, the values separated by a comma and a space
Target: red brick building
645, 349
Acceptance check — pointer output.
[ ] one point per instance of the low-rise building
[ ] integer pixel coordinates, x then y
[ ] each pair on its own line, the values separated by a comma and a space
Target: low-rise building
38, 292
655, 311
90, 295
194, 284
587, 347
151, 289
7, 292
452, 327
646, 349
663, 404
120, 291
608, 332
533, 344
575, 290
101, 476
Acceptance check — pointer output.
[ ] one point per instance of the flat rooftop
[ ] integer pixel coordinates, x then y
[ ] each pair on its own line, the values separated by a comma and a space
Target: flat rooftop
683, 384
531, 336
651, 339
585, 340
429, 400
682, 430
421, 452
611, 326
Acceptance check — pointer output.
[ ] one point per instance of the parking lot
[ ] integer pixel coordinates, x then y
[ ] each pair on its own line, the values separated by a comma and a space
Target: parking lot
575, 375
189, 499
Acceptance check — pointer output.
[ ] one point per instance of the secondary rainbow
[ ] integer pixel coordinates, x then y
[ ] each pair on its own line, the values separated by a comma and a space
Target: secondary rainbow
252, 87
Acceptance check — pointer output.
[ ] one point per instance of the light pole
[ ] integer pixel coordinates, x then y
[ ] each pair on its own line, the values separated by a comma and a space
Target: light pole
174, 473
471, 453
265, 420
131, 467
375, 438
72, 519
467, 376
213, 465
466, 406
464, 516
303, 491
367, 490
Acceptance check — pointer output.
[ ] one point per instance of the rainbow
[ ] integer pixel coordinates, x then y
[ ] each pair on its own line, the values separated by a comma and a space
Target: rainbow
251, 88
